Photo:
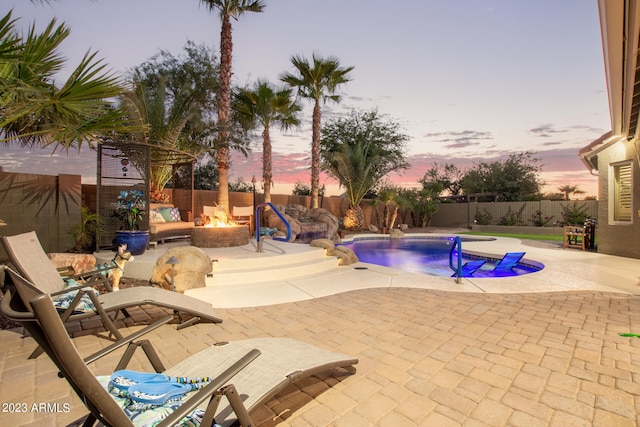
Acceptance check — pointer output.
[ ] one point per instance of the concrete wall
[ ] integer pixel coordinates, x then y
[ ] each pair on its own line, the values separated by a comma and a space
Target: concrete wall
48, 205
463, 214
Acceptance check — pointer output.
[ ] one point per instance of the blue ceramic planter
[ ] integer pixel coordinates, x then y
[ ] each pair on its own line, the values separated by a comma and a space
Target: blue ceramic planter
136, 241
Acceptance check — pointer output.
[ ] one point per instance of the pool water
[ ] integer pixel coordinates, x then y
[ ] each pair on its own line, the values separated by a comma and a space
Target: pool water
425, 255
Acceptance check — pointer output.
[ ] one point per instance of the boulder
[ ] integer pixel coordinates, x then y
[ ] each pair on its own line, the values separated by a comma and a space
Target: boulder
323, 215
79, 263
394, 233
345, 255
190, 272
327, 244
373, 228
274, 221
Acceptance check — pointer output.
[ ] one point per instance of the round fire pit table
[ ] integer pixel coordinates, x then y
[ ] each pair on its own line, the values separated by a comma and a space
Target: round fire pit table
220, 237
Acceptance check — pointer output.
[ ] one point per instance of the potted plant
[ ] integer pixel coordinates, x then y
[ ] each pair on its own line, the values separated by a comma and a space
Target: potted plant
129, 207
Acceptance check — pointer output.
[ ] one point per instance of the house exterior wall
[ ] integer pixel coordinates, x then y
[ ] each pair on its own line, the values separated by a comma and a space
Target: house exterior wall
618, 239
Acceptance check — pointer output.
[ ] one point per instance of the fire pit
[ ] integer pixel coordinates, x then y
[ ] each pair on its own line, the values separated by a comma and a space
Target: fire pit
220, 237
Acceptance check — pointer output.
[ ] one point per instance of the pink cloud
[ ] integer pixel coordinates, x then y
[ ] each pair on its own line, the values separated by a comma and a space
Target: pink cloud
560, 167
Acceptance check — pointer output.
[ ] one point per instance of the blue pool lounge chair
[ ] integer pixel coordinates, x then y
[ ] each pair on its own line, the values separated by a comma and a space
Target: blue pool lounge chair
509, 260
470, 267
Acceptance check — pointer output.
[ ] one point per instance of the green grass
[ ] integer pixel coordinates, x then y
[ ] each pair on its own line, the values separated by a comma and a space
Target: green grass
518, 236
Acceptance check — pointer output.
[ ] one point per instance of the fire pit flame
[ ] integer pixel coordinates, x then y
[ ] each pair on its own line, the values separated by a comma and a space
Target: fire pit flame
219, 220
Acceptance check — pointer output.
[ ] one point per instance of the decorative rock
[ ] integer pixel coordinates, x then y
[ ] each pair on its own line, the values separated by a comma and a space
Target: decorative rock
189, 273
373, 228
327, 244
344, 255
323, 215
274, 221
394, 233
79, 263
297, 213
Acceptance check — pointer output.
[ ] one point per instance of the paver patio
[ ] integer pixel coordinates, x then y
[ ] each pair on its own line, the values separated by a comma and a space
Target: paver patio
427, 357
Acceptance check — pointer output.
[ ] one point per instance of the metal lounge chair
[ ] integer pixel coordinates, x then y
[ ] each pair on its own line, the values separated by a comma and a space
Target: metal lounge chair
509, 260
27, 255
245, 373
470, 267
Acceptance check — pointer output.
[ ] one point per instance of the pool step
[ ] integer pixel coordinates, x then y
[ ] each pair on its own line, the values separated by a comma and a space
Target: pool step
267, 259
248, 272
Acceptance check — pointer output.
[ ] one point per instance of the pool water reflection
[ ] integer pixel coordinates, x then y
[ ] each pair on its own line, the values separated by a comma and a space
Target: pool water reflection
426, 255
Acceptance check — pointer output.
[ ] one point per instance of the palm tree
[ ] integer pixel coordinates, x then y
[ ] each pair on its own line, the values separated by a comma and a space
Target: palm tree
318, 82
359, 151
228, 9
569, 189
267, 105
168, 125
35, 111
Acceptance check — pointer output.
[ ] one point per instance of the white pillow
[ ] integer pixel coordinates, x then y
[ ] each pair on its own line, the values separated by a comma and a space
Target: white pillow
156, 217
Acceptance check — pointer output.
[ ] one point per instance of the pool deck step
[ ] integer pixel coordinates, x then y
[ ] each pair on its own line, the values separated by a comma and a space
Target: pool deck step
250, 273
267, 260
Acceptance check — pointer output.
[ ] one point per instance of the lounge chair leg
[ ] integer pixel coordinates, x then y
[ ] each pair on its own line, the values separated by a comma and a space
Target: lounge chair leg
212, 407
236, 404
37, 352
128, 354
89, 421
150, 351
188, 323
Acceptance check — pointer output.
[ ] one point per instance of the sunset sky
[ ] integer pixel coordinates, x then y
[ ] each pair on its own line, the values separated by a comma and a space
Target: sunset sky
471, 80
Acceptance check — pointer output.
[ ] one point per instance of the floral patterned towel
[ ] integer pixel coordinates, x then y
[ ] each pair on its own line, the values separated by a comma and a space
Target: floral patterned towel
149, 416
63, 301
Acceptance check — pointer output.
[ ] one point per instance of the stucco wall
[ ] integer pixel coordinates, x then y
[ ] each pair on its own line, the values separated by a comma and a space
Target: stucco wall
622, 240
48, 205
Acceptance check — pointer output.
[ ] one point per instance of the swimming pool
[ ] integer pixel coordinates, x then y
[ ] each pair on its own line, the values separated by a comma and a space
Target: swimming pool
429, 255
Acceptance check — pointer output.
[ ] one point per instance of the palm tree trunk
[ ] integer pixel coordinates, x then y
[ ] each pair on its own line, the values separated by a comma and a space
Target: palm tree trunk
354, 218
315, 155
266, 164
224, 112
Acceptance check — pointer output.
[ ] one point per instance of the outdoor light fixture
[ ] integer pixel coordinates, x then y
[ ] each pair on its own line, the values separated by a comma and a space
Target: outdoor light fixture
172, 261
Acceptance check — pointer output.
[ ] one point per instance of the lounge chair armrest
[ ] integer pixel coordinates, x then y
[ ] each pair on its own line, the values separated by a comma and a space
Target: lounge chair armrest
79, 287
208, 391
5, 309
128, 339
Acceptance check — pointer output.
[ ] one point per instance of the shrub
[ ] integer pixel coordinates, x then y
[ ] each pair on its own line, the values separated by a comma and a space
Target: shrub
483, 218
512, 218
539, 221
574, 214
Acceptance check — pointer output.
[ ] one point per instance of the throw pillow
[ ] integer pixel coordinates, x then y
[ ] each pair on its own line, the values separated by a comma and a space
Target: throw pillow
175, 215
156, 217
166, 214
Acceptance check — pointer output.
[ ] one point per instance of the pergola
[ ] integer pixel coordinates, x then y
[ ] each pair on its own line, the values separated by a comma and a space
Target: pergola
124, 166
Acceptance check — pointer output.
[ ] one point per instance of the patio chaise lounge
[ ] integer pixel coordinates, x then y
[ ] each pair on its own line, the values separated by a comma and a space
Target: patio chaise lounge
27, 255
246, 373
469, 268
509, 260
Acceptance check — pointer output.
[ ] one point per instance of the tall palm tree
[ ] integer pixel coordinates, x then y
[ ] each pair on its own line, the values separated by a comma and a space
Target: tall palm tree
228, 9
267, 105
318, 82
35, 111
